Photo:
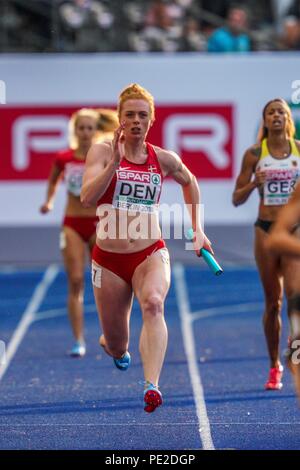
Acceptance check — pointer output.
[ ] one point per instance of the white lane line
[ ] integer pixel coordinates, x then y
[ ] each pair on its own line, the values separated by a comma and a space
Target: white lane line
190, 351
145, 424
227, 310
28, 315
60, 312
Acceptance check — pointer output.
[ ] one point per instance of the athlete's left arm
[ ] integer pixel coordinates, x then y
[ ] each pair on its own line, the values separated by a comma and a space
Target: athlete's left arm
282, 239
173, 166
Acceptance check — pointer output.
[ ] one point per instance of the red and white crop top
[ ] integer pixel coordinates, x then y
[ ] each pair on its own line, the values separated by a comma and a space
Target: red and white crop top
73, 170
135, 186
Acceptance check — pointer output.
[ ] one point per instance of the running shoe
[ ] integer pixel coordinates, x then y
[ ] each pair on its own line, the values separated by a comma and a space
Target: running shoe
152, 398
274, 380
124, 362
78, 349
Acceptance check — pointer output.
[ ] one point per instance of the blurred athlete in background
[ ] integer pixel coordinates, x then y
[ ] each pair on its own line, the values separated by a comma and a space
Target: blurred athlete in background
86, 126
275, 163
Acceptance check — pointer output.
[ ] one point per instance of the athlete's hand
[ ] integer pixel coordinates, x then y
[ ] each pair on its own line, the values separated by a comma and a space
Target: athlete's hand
117, 140
45, 208
260, 177
201, 241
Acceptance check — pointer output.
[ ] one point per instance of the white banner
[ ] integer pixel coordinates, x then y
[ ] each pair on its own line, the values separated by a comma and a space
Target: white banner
222, 94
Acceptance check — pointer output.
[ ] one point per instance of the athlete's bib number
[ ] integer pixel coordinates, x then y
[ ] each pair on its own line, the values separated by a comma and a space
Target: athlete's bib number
73, 178
278, 187
137, 191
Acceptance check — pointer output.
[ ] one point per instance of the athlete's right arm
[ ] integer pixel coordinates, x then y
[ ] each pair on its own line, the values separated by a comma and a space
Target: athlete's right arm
244, 186
101, 163
53, 181
98, 173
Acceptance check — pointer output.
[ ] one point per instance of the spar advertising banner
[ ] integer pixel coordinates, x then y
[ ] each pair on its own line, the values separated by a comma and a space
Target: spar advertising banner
208, 110
31, 136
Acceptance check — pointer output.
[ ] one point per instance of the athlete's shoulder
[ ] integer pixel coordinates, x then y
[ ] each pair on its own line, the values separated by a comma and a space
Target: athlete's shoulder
297, 143
164, 153
64, 156
254, 150
101, 148
167, 157
105, 141
169, 161
99, 154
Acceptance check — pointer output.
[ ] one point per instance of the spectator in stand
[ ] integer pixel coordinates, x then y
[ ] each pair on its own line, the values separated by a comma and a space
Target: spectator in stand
163, 28
218, 8
87, 25
294, 9
192, 38
290, 38
233, 37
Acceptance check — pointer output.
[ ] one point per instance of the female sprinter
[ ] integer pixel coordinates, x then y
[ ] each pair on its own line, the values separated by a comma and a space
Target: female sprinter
284, 239
79, 225
275, 164
124, 179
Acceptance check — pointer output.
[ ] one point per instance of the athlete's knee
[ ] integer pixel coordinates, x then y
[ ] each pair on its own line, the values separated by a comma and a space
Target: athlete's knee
153, 305
76, 285
294, 303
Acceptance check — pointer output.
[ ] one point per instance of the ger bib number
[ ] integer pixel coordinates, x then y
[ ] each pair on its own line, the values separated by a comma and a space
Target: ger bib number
279, 185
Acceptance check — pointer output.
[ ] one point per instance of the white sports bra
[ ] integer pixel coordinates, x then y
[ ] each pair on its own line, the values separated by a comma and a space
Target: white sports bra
282, 174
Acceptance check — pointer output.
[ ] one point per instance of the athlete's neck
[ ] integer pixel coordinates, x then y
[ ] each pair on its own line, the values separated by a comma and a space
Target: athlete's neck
82, 151
278, 144
277, 139
135, 151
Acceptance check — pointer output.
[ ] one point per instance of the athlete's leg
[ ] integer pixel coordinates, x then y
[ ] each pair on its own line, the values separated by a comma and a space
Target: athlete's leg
91, 244
151, 282
291, 273
73, 251
271, 278
113, 298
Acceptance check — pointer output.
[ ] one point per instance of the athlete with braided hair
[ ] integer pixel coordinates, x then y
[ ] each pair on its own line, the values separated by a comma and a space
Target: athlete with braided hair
275, 164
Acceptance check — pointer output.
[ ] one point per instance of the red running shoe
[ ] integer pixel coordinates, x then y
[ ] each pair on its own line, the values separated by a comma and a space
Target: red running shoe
152, 398
274, 380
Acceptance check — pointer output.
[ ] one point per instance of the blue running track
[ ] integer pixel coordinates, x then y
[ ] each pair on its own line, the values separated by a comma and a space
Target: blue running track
212, 381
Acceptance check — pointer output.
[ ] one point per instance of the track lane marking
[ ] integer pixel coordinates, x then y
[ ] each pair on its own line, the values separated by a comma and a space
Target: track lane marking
28, 315
190, 351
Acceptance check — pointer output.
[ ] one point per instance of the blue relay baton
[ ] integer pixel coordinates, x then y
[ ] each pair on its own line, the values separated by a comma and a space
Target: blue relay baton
208, 257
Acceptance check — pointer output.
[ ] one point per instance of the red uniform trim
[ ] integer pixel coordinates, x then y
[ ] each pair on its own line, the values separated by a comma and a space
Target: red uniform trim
64, 157
84, 226
124, 264
152, 161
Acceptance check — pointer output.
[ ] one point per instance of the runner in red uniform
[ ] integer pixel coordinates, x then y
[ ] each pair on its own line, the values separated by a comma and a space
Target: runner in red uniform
129, 258
79, 224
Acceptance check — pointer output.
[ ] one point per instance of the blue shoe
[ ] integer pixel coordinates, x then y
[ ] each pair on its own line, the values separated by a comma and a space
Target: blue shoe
124, 362
152, 398
78, 349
